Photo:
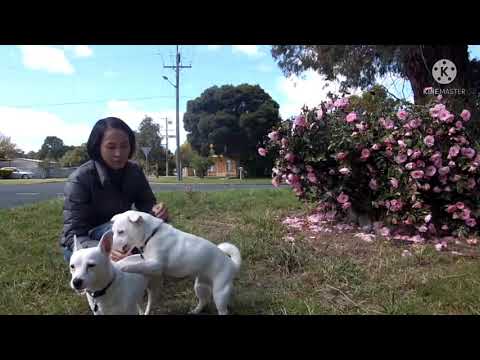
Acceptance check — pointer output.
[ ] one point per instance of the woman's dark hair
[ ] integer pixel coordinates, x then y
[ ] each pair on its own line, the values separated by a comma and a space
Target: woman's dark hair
98, 131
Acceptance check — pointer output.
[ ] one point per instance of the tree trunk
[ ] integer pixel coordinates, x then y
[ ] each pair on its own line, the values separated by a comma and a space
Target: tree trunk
419, 62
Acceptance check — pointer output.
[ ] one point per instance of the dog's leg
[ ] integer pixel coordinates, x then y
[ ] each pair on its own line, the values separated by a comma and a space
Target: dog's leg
137, 264
221, 296
204, 293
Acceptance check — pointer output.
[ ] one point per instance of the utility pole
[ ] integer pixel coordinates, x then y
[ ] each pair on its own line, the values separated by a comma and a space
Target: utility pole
177, 68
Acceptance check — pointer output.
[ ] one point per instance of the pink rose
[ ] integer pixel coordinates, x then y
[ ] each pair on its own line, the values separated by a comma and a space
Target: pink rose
451, 208
459, 205
290, 157
437, 190
346, 205
416, 154
428, 218
445, 116
300, 121
455, 178
430, 171
274, 136
435, 111
312, 178
420, 164
351, 117
429, 140
293, 179
468, 152
365, 154
341, 156
415, 123
465, 115
376, 147
341, 103
401, 158
284, 143
384, 231
452, 131
394, 183
417, 174
423, 229
402, 115
389, 124
409, 152
444, 170
451, 163
344, 171
454, 151
402, 144
410, 166
342, 198
459, 124
470, 222
309, 168
373, 184
262, 152
466, 213
396, 205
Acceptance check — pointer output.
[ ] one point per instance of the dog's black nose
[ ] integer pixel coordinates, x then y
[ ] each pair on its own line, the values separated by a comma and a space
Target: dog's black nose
77, 283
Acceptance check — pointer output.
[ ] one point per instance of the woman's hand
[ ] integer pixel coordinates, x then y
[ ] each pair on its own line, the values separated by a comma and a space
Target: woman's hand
160, 211
116, 255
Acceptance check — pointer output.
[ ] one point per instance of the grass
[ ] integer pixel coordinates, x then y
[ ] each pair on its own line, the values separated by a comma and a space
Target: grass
332, 274
29, 181
210, 180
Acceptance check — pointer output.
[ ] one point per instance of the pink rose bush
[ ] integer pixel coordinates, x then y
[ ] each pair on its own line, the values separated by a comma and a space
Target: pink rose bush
407, 166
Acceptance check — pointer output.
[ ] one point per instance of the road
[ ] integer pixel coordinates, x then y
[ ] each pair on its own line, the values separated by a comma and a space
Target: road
18, 195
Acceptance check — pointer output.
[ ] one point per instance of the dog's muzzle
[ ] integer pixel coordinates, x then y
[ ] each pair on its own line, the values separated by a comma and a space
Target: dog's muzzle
77, 283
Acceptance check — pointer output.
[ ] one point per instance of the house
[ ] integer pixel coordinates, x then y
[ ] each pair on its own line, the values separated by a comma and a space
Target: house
223, 166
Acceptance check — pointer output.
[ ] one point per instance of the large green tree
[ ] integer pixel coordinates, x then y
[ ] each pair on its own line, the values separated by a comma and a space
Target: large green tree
234, 119
75, 157
7, 148
362, 64
53, 148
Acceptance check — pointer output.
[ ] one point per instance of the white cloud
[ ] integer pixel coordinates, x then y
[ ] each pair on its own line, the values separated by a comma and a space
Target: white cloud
214, 47
42, 57
133, 116
28, 128
250, 50
301, 91
82, 50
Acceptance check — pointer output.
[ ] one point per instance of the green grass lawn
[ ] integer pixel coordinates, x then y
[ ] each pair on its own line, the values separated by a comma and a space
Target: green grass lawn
29, 181
333, 274
209, 180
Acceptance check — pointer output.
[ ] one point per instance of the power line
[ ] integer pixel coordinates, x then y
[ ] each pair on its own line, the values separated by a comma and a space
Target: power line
93, 101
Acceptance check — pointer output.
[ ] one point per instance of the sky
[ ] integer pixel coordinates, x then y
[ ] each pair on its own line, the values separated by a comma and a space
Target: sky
63, 90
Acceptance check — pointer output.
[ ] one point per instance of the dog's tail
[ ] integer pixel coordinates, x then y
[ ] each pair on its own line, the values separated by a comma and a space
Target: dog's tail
149, 303
232, 251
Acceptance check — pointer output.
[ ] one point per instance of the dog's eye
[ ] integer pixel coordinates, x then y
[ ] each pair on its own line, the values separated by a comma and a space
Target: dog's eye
72, 266
90, 265
120, 232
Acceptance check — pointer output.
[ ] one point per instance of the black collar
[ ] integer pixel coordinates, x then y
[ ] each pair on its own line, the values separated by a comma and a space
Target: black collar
98, 293
148, 239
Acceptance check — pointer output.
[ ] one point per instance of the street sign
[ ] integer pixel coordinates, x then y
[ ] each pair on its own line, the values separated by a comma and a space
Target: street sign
146, 150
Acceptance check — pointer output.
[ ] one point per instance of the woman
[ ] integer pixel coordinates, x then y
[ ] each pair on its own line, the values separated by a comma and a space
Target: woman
106, 185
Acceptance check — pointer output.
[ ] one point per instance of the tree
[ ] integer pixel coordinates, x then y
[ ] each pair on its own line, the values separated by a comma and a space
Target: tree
7, 148
148, 135
362, 64
232, 118
200, 164
186, 153
52, 148
75, 157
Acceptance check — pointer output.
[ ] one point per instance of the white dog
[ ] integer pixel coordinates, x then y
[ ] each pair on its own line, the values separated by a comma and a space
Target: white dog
109, 290
169, 251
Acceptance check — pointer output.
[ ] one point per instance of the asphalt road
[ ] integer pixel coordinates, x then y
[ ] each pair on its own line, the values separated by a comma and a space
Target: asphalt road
18, 195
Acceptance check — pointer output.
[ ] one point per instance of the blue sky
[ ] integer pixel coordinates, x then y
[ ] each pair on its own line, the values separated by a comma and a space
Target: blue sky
39, 83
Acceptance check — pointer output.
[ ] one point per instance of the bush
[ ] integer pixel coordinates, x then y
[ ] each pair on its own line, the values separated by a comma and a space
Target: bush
5, 173
413, 167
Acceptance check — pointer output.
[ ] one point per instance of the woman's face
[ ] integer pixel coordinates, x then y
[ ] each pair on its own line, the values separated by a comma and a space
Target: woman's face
115, 148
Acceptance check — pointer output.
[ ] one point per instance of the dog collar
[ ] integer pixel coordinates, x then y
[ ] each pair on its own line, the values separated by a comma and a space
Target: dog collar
148, 239
98, 293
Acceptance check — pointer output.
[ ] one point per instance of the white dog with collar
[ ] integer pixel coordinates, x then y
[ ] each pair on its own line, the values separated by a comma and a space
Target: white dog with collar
109, 291
169, 251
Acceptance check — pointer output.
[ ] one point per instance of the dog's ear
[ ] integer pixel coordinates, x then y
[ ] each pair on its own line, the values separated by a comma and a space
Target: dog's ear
76, 244
135, 218
106, 242
114, 217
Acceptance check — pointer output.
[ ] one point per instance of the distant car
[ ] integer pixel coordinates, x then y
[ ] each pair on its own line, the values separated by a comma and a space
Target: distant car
18, 174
